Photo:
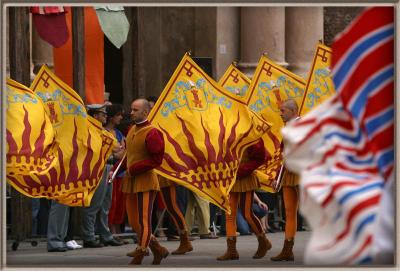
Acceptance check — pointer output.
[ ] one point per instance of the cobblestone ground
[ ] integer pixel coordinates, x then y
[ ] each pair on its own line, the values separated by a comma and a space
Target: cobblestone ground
203, 255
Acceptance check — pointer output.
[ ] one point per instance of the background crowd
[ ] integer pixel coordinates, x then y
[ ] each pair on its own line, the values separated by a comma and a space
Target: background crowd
105, 221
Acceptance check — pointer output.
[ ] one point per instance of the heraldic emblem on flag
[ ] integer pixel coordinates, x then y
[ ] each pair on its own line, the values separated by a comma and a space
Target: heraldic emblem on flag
235, 82
82, 144
343, 149
270, 86
319, 84
206, 131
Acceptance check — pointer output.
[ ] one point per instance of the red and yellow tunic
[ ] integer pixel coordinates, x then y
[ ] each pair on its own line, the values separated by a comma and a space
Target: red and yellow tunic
253, 157
164, 182
145, 150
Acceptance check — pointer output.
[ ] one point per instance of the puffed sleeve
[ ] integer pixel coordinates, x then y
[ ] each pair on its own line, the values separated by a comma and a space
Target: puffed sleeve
155, 146
256, 154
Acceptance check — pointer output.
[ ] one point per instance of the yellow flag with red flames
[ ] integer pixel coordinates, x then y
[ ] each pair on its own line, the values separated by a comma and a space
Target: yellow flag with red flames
319, 83
206, 131
235, 82
82, 144
31, 146
270, 86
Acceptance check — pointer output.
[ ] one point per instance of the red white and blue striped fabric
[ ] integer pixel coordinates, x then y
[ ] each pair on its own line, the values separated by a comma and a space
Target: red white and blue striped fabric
343, 149
363, 73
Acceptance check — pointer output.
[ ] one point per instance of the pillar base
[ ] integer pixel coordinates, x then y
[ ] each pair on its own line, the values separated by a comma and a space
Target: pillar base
248, 68
301, 69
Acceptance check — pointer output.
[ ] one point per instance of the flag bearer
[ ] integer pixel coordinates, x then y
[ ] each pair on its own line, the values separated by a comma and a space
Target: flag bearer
242, 194
290, 186
145, 150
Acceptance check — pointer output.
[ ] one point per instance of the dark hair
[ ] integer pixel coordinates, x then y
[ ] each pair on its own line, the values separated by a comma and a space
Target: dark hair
152, 99
125, 124
91, 112
114, 109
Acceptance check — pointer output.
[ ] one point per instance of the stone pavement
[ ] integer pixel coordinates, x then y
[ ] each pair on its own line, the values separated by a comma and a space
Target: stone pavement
203, 255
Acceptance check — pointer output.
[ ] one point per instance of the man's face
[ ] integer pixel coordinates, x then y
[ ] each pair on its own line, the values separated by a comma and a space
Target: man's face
101, 116
286, 113
138, 113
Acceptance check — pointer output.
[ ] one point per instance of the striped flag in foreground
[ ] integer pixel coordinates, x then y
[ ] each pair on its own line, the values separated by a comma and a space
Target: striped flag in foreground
343, 149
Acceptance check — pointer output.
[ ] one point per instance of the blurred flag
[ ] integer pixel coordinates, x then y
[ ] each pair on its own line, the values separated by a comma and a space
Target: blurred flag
83, 146
114, 23
344, 148
31, 146
50, 24
235, 82
206, 130
270, 86
319, 84
363, 70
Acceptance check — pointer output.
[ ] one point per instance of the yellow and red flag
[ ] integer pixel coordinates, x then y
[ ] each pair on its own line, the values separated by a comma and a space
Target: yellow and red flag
270, 86
31, 147
235, 82
83, 145
206, 130
319, 83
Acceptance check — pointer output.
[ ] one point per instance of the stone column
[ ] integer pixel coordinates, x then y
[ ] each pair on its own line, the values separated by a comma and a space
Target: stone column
7, 46
205, 34
336, 19
178, 35
19, 57
262, 31
150, 53
304, 28
228, 37
42, 52
130, 59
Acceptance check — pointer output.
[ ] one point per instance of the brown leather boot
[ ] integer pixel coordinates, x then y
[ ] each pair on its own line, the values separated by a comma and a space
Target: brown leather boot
263, 246
184, 246
231, 252
286, 253
133, 253
159, 251
138, 256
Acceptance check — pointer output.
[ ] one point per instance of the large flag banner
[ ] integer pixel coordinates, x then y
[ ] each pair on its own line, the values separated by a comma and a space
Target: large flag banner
94, 56
270, 86
235, 82
83, 146
114, 23
319, 84
343, 149
31, 147
50, 24
206, 130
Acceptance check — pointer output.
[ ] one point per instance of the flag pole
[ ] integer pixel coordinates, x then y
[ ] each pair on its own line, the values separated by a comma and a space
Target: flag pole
278, 184
110, 180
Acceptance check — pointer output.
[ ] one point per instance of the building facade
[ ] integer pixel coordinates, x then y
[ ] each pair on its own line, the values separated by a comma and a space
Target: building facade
159, 37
